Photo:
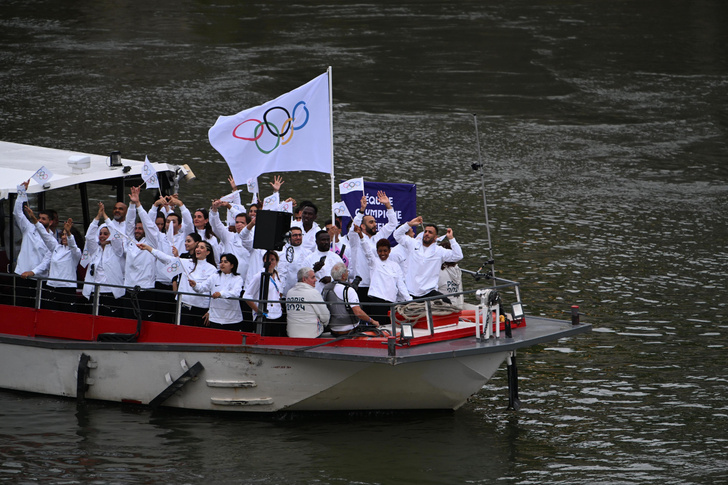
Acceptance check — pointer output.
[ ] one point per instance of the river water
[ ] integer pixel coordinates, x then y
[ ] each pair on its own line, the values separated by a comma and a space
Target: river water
603, 128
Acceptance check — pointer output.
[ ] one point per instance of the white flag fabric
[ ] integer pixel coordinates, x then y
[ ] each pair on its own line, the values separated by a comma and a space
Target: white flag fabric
286, 206
231, 197
253, 185
174, 268
149, 175
290, 133
341, 210
272, 202
42, 175
352, 185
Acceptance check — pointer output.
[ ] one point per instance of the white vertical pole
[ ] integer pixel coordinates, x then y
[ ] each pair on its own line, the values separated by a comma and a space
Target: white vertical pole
331, 128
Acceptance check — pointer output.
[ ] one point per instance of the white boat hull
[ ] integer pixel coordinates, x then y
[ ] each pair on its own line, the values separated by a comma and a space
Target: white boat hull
240, 381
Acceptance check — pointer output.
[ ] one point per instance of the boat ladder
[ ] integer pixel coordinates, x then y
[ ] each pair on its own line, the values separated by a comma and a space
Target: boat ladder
177, 384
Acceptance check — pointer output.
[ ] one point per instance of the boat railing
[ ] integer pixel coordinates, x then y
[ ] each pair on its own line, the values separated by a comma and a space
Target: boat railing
36, 292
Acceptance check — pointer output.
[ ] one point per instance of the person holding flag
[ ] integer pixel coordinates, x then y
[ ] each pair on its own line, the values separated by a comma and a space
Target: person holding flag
103, 257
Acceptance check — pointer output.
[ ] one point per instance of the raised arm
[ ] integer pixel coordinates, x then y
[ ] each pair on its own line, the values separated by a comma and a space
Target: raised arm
217, 226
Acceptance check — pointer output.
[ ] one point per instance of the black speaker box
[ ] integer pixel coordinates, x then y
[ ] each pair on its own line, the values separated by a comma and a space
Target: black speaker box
270, 229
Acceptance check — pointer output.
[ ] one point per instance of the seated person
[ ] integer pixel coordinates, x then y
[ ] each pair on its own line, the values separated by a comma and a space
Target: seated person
305, 320
346, 313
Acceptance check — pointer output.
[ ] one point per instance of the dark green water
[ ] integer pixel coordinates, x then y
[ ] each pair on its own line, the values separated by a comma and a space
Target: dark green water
603, 128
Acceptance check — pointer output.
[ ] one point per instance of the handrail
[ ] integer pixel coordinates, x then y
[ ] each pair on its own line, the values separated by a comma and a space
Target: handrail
178, 304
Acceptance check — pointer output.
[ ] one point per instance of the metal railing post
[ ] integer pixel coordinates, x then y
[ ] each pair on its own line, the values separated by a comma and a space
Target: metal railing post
38, 289
95, 306
178, 312
392, 319
430, 324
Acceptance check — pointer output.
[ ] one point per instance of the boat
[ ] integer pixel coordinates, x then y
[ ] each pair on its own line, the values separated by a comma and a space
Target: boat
429, 361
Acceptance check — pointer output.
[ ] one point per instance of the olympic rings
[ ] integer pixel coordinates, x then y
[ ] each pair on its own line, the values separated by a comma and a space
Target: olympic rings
265, 120
265, 125
42, 175
351, 185
339, 211
278, 138
294, 114
172, 268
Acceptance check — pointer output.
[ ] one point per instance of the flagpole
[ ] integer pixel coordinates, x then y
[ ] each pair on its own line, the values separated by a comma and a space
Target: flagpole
331, 130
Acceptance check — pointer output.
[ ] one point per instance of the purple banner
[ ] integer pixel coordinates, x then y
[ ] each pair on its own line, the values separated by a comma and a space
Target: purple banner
403, 198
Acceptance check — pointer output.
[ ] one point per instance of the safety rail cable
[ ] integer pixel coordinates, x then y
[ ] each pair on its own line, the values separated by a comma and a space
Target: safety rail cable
409, 312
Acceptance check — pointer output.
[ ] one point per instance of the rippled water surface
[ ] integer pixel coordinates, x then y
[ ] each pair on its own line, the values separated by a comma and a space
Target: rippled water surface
603, 129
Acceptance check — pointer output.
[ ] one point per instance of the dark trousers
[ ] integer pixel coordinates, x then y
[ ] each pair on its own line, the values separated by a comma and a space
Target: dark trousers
109, 306
380, 313
146, 301
363, 293
25, 290
165, 304
63, 299
192, 315
275, 327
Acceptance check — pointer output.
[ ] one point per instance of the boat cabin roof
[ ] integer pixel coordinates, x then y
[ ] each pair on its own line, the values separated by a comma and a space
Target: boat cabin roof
19, 162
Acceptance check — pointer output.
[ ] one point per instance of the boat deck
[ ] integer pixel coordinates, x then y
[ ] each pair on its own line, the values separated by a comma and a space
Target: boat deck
53, 329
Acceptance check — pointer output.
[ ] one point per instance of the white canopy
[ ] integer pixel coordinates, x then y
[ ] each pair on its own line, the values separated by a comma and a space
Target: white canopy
19, 162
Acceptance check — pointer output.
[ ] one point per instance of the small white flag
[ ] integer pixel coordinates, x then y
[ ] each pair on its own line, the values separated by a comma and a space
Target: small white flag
42, 176
286, 206
352, 185
253, 185
272, 202
174, 268
231, 197
149, 175
170, 233
341, 210
85, 258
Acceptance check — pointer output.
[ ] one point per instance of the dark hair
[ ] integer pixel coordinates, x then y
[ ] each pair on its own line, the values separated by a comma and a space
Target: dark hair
337, 222
195, 237
48, 213
208, 228
308, 203
431, 225
322, 231
210, 255
179, 219
158, 216
272, 253
232, 260
384, 242
241, 214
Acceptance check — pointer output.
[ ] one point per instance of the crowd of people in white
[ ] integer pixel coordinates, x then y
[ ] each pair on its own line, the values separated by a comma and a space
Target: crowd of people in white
322, 279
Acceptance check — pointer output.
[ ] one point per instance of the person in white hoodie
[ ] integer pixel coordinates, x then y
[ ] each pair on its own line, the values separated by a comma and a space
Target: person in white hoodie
64, 263
104, 259
34, 259
224, 313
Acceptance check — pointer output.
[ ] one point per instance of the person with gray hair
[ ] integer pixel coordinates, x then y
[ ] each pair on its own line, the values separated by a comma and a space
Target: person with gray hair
305, 318
346, 313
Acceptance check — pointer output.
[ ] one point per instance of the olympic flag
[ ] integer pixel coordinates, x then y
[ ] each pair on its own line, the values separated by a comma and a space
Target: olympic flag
149, 174
290, 133
352, 185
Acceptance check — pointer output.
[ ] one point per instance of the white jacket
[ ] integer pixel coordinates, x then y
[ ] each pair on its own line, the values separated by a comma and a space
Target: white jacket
305, 320
64, 260
222, 310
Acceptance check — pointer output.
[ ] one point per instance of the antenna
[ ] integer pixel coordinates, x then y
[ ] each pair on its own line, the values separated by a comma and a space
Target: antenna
479, 167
